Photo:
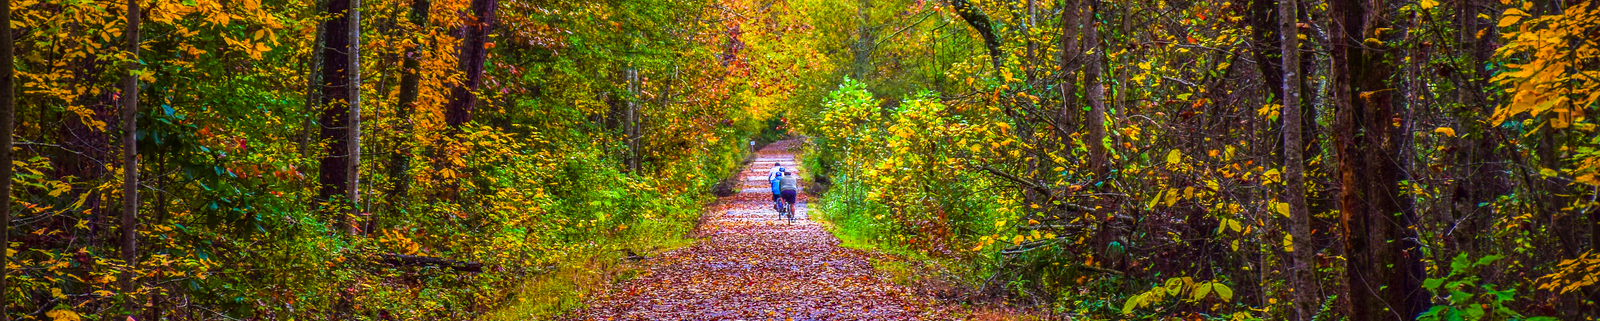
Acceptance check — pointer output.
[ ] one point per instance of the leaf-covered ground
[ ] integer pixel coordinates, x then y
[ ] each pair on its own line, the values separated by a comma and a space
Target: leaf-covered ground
749, 265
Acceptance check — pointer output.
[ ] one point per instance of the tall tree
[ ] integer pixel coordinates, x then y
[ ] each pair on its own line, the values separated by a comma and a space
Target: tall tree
313, 81
130, 150
338, 102
472, 53
353, 130
410, 76
1068, 82
1384, 265
8, 100
1302, 282
1096, 92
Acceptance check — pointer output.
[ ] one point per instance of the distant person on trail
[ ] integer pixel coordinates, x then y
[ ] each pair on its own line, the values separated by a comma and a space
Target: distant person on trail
789, 185
773, 178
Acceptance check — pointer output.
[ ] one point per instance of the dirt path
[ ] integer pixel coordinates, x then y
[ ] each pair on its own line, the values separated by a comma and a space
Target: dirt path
749, 265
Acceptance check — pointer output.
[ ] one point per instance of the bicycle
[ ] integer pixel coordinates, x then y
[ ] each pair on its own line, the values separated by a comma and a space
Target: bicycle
780, 207
790, 212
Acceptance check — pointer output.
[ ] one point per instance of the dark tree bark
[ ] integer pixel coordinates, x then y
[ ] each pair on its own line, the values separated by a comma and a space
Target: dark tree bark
8, 100
474, 34
400, 158
1096, 93
130, 154
1384, 265
313, 82
337, 103
980, 22
1480, 168
1301, 281
1068, 115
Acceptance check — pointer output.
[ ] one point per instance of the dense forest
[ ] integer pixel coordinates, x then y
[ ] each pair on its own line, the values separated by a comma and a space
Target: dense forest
1080, 159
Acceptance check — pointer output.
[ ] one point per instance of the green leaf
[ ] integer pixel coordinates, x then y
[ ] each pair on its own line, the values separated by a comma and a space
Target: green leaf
1460, 264
1174, 285
1201, 291
1222, 291
1127, 307
1432, 284
1486, 260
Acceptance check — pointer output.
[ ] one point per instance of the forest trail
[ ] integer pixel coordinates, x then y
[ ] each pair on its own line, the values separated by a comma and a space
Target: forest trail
749, 265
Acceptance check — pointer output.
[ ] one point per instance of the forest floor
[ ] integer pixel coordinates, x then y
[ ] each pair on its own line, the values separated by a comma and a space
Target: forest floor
750, 265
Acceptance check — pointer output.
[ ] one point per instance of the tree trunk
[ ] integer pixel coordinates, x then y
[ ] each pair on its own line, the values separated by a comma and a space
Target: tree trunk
1302, 283
474, 33
1384, 265
336, 107
1096, 95
313, 82
8, 100
861, 50
400, 158
1033, 45
353, 131
1482, 172
130, 154
631, 119
1069, 52
980, 23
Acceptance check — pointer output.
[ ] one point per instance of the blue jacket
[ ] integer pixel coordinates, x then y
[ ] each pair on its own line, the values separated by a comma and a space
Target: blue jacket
776, 183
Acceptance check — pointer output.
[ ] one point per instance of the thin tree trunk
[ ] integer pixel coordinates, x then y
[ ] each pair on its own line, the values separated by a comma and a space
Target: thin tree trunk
313, 83
400, 158
1033, 46
473, 52
631, 119
353, 179
8, 108
1302, 283
1384, 265
861, 50
130, 154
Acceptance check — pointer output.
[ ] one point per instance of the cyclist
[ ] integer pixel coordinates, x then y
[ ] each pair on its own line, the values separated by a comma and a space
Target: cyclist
790, 186
773, 178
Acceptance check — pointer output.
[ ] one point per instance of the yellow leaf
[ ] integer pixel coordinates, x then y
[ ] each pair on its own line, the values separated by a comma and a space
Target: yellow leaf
1447, 131
1281, 208
1509, 19
62, 315
1188, 192
56, 292
1172, 197
998, 224
1546, 172
1428, 4
1017, 240
1288, 243
1174, 157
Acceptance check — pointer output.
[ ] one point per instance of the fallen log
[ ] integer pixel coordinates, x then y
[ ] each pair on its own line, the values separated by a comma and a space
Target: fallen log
399, 260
